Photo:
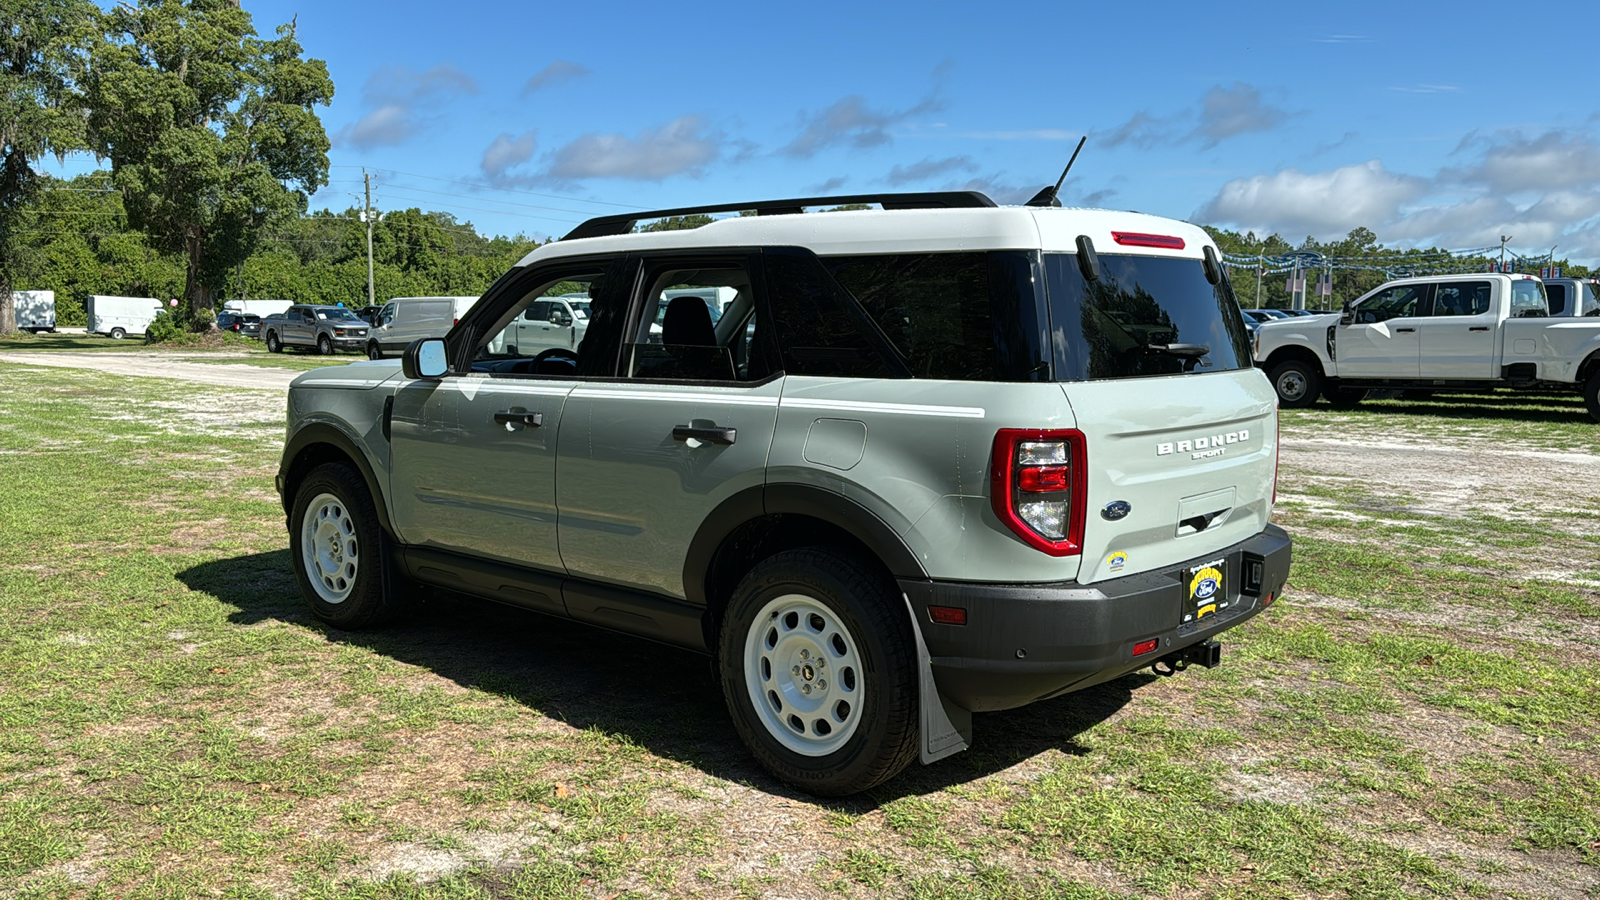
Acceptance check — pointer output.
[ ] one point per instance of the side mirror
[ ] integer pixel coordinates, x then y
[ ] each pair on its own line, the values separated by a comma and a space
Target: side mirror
1348, 315
560, 317
424, 358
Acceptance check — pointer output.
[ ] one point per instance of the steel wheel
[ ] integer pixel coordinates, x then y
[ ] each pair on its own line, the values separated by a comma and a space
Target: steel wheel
329, 550
1292, 385
374, 351
804, 675
117, 333
273, 344
1297, 383
324, 346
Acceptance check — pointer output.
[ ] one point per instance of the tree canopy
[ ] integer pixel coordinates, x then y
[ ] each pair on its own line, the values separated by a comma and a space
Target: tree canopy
211, 131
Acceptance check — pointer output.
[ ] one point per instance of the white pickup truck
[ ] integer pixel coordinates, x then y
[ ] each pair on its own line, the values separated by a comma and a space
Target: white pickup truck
1573, 297
1441, 332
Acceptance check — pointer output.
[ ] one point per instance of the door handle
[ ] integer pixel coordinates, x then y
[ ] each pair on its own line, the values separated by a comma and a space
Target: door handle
711, 435
1479, 328
1405, 329
532, 420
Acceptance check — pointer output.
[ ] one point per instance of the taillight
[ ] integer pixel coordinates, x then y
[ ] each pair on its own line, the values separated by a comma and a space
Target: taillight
1037, 484
1135, 239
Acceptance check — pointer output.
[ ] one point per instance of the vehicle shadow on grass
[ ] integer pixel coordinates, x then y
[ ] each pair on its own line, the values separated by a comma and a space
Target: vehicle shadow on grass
1529, 408
662, 698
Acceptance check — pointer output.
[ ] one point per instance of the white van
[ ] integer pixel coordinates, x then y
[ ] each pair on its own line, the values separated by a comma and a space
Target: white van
405, 319
35, 310
118, 317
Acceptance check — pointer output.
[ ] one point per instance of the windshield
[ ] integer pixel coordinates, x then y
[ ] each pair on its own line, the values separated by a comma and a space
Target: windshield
336, 312
1144, 316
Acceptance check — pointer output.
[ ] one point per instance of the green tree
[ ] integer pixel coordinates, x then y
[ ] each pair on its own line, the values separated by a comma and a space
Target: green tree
211, 131
41, 52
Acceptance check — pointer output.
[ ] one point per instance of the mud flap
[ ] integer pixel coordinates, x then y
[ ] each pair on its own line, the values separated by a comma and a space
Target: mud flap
946, 728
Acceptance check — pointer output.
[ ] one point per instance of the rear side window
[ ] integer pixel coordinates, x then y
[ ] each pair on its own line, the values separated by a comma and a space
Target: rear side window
1144, 316
1557, 294
1468, 298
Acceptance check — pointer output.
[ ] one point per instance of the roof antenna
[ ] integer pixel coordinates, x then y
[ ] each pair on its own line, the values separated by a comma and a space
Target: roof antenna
1047, 197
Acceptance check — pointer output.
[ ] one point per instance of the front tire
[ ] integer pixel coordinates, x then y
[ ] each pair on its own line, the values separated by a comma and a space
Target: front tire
324, 346
273, 344
118, 334
819, 674
338, 549
1591, 396
374, 351
1297, 383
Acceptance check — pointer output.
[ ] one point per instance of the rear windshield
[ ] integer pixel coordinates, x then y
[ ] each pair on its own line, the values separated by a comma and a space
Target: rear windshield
1145, 315
1527, 299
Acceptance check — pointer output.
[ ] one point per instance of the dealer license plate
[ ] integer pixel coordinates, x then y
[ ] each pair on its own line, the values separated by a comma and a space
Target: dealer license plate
1206, 587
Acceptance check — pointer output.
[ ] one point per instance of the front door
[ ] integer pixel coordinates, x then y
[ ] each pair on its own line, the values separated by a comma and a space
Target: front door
646, 457
1383, 342
1458, 338
474, 453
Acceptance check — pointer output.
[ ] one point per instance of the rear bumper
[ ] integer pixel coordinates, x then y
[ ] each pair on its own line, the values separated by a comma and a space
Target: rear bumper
1028, 642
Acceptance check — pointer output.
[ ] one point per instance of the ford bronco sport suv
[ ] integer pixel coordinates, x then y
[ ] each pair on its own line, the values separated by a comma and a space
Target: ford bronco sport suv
933, 458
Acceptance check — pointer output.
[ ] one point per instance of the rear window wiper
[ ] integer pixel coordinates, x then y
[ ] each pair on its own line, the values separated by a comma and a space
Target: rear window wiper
1185, 351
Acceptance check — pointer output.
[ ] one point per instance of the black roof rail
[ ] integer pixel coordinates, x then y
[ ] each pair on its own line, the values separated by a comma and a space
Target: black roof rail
623, 223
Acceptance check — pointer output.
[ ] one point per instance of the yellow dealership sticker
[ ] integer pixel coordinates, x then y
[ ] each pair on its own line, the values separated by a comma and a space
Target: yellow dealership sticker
1116, 561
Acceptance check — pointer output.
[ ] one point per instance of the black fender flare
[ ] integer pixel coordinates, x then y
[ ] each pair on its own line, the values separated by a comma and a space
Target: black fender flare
794, 499
327, 433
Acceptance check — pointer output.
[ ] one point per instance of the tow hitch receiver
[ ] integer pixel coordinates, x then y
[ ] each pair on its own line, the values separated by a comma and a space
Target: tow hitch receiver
1207, 653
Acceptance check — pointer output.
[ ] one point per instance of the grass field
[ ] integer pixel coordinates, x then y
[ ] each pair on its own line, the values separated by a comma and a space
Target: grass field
243, 350
1417, 718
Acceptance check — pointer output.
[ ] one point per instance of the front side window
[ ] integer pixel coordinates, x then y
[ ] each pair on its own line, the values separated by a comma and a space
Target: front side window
1397, 302
1144, 316
386, 315
1468, 298
1527, 299
526, 342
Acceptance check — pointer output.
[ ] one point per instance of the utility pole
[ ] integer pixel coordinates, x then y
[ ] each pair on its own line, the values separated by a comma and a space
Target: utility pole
366, 215
1261, 266
1503, 239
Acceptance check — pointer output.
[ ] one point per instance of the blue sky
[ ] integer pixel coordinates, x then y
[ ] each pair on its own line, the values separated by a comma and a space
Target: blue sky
1431, 123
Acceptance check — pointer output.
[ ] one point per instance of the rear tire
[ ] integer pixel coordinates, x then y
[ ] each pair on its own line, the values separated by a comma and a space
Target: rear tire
118, 334
1591, 396
819, 673
339, 549
1297, 383
273, 344
324, 346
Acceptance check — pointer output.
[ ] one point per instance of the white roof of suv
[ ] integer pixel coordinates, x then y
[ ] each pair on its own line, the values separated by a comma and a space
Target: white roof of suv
881, 231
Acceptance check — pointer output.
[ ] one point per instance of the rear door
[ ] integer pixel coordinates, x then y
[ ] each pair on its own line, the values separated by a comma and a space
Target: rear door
646, 456
1458, 336
1384, 341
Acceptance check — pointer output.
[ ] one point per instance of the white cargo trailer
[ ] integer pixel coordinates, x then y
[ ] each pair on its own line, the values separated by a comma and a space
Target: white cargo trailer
118, 317
35, 310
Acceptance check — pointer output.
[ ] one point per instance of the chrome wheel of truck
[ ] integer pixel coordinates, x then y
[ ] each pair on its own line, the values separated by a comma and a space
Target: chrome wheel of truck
818, 670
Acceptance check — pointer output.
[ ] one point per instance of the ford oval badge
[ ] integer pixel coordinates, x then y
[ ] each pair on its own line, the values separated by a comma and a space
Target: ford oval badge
1116, 509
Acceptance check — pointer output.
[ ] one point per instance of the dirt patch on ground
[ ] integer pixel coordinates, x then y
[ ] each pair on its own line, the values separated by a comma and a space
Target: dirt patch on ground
166, 366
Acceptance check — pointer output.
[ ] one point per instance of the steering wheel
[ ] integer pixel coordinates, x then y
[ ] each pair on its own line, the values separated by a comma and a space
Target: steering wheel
561, 354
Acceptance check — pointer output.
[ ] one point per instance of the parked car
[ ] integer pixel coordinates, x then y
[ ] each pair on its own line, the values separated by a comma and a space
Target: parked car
877, 490
247, 324
406, 319
1440, 332
325, 329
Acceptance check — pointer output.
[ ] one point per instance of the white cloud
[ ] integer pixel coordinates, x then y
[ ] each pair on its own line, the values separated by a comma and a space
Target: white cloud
682, 146
928, 168
851, 121
1224, 112
396, 98
1323, 204
557, 72
505, 153
1553, 160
